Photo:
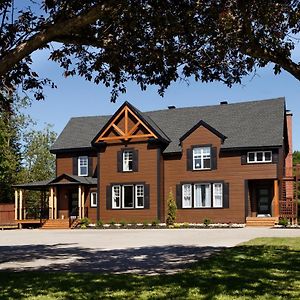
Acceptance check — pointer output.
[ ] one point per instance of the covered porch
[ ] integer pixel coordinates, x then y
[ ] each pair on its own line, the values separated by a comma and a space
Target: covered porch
62, 201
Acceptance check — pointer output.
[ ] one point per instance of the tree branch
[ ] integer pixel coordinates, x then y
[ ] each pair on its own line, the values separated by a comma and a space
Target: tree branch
49, 34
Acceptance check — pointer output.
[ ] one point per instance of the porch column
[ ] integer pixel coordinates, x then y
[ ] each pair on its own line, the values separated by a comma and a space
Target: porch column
276, 199
51, 203
21, 205
82, 203
16, 204
55, 203
79, 202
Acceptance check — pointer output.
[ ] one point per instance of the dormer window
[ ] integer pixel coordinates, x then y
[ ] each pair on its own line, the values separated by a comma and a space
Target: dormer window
127, 161
83, 162
202, 158
259, 157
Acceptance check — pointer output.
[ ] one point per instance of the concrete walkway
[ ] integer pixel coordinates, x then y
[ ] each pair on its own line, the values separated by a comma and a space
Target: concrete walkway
148, 251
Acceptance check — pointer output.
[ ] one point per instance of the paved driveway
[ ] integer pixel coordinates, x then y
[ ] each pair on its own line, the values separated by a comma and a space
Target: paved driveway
149, 251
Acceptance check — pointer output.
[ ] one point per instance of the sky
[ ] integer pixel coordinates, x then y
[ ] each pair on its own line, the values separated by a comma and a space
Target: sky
77, 97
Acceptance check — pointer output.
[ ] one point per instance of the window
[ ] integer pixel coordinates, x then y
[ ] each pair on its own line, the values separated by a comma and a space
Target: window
259, 157
127, 161
205, 195
128, 196
201, 158
202, 195
139, 196
93, 199
217, 195
116, 196
83, 165
186, 195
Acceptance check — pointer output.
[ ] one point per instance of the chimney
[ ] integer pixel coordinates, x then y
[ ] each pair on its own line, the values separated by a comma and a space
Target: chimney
223, 102
289, 156
171, 107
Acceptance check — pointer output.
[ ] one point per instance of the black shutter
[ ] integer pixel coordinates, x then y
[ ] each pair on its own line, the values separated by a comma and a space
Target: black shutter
90, 166
178, 196
214, 157
244, 159
75, 165
275, 157
135, 160
147, 196
226, 195
189, 159
119, 161
108, 197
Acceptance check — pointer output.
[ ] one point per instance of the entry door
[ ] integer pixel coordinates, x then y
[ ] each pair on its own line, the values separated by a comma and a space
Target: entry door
73, 204
264, 198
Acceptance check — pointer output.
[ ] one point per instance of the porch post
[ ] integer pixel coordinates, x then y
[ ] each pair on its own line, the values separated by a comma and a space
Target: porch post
21, 205
16, 204
82, 203
276, 199
79, 201
55, 203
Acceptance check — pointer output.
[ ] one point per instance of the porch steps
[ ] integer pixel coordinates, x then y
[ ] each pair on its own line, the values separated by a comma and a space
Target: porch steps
261, 221
56, 224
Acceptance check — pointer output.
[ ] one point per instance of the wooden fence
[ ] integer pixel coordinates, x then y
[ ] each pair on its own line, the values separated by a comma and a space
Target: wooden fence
7, 214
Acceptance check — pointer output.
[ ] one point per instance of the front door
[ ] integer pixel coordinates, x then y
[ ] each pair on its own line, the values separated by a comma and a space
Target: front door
264, 198
73, 204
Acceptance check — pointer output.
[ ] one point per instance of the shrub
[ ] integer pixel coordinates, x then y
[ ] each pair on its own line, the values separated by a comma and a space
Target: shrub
99, 224
123, 223
112, 222
155, 222
83, 226
185, 225
145, 223
85, 221
172, 209
176, 225
284, 222
207, 221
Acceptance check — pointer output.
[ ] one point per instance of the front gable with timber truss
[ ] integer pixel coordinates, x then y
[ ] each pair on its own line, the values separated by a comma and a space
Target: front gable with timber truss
127, 125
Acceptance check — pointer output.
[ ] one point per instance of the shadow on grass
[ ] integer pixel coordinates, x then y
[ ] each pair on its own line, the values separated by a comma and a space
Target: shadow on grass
244, 271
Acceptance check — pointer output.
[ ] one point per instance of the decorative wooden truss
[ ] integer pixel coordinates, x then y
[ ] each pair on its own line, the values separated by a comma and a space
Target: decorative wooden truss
125, 126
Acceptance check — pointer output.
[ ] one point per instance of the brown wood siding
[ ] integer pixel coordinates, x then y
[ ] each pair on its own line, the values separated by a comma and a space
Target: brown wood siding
229, 169
91, 211
64, 162
7, 214
147, 172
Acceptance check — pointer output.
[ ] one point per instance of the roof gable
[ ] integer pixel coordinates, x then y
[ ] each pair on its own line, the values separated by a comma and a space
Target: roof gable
208, 127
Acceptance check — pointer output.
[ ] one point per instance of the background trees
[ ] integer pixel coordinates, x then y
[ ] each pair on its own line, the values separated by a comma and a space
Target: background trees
150, 42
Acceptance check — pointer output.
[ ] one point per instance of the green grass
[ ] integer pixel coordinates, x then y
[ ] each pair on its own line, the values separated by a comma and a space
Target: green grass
266, 268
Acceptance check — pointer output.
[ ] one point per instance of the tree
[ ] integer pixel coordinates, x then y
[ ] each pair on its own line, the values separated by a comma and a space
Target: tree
172, 209
151, 42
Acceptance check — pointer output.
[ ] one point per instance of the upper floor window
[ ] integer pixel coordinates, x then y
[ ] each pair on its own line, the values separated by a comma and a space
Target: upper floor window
259, 156
127, 160
201, 158
83, 162
93, 199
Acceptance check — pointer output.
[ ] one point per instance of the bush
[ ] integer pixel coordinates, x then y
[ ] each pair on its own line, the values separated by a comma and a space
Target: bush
112, 222
99, 224
123, 223
185, 225
145, 223
206, 222
154, 223
284, 222
172, 209
85, 221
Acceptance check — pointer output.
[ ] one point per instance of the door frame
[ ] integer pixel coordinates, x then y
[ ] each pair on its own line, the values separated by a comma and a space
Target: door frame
270, 196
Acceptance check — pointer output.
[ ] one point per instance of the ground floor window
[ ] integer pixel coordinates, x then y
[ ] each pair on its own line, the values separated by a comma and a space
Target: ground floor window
94, 199
128, 196
202, 195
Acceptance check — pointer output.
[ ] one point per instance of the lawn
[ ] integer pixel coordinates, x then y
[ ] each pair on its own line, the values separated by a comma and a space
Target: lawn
266, 268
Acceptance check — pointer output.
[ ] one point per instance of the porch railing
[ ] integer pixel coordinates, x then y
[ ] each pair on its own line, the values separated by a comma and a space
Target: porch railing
34, 213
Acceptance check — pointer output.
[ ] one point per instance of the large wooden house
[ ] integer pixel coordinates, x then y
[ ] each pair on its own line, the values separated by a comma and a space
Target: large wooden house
226, 162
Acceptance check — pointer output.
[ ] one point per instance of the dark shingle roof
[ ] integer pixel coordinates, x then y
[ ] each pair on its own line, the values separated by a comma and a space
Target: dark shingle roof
245, 124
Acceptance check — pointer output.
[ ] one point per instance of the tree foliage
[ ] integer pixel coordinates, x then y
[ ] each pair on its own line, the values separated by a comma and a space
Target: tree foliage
151, 42
172, 209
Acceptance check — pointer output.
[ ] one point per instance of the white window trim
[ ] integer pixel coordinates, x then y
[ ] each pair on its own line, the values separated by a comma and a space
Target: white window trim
194, 199
214, 194
123, 198
201, 158
255, 157
94, 199
86, 158
113, 196
136, 197
182, 197
127, 169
